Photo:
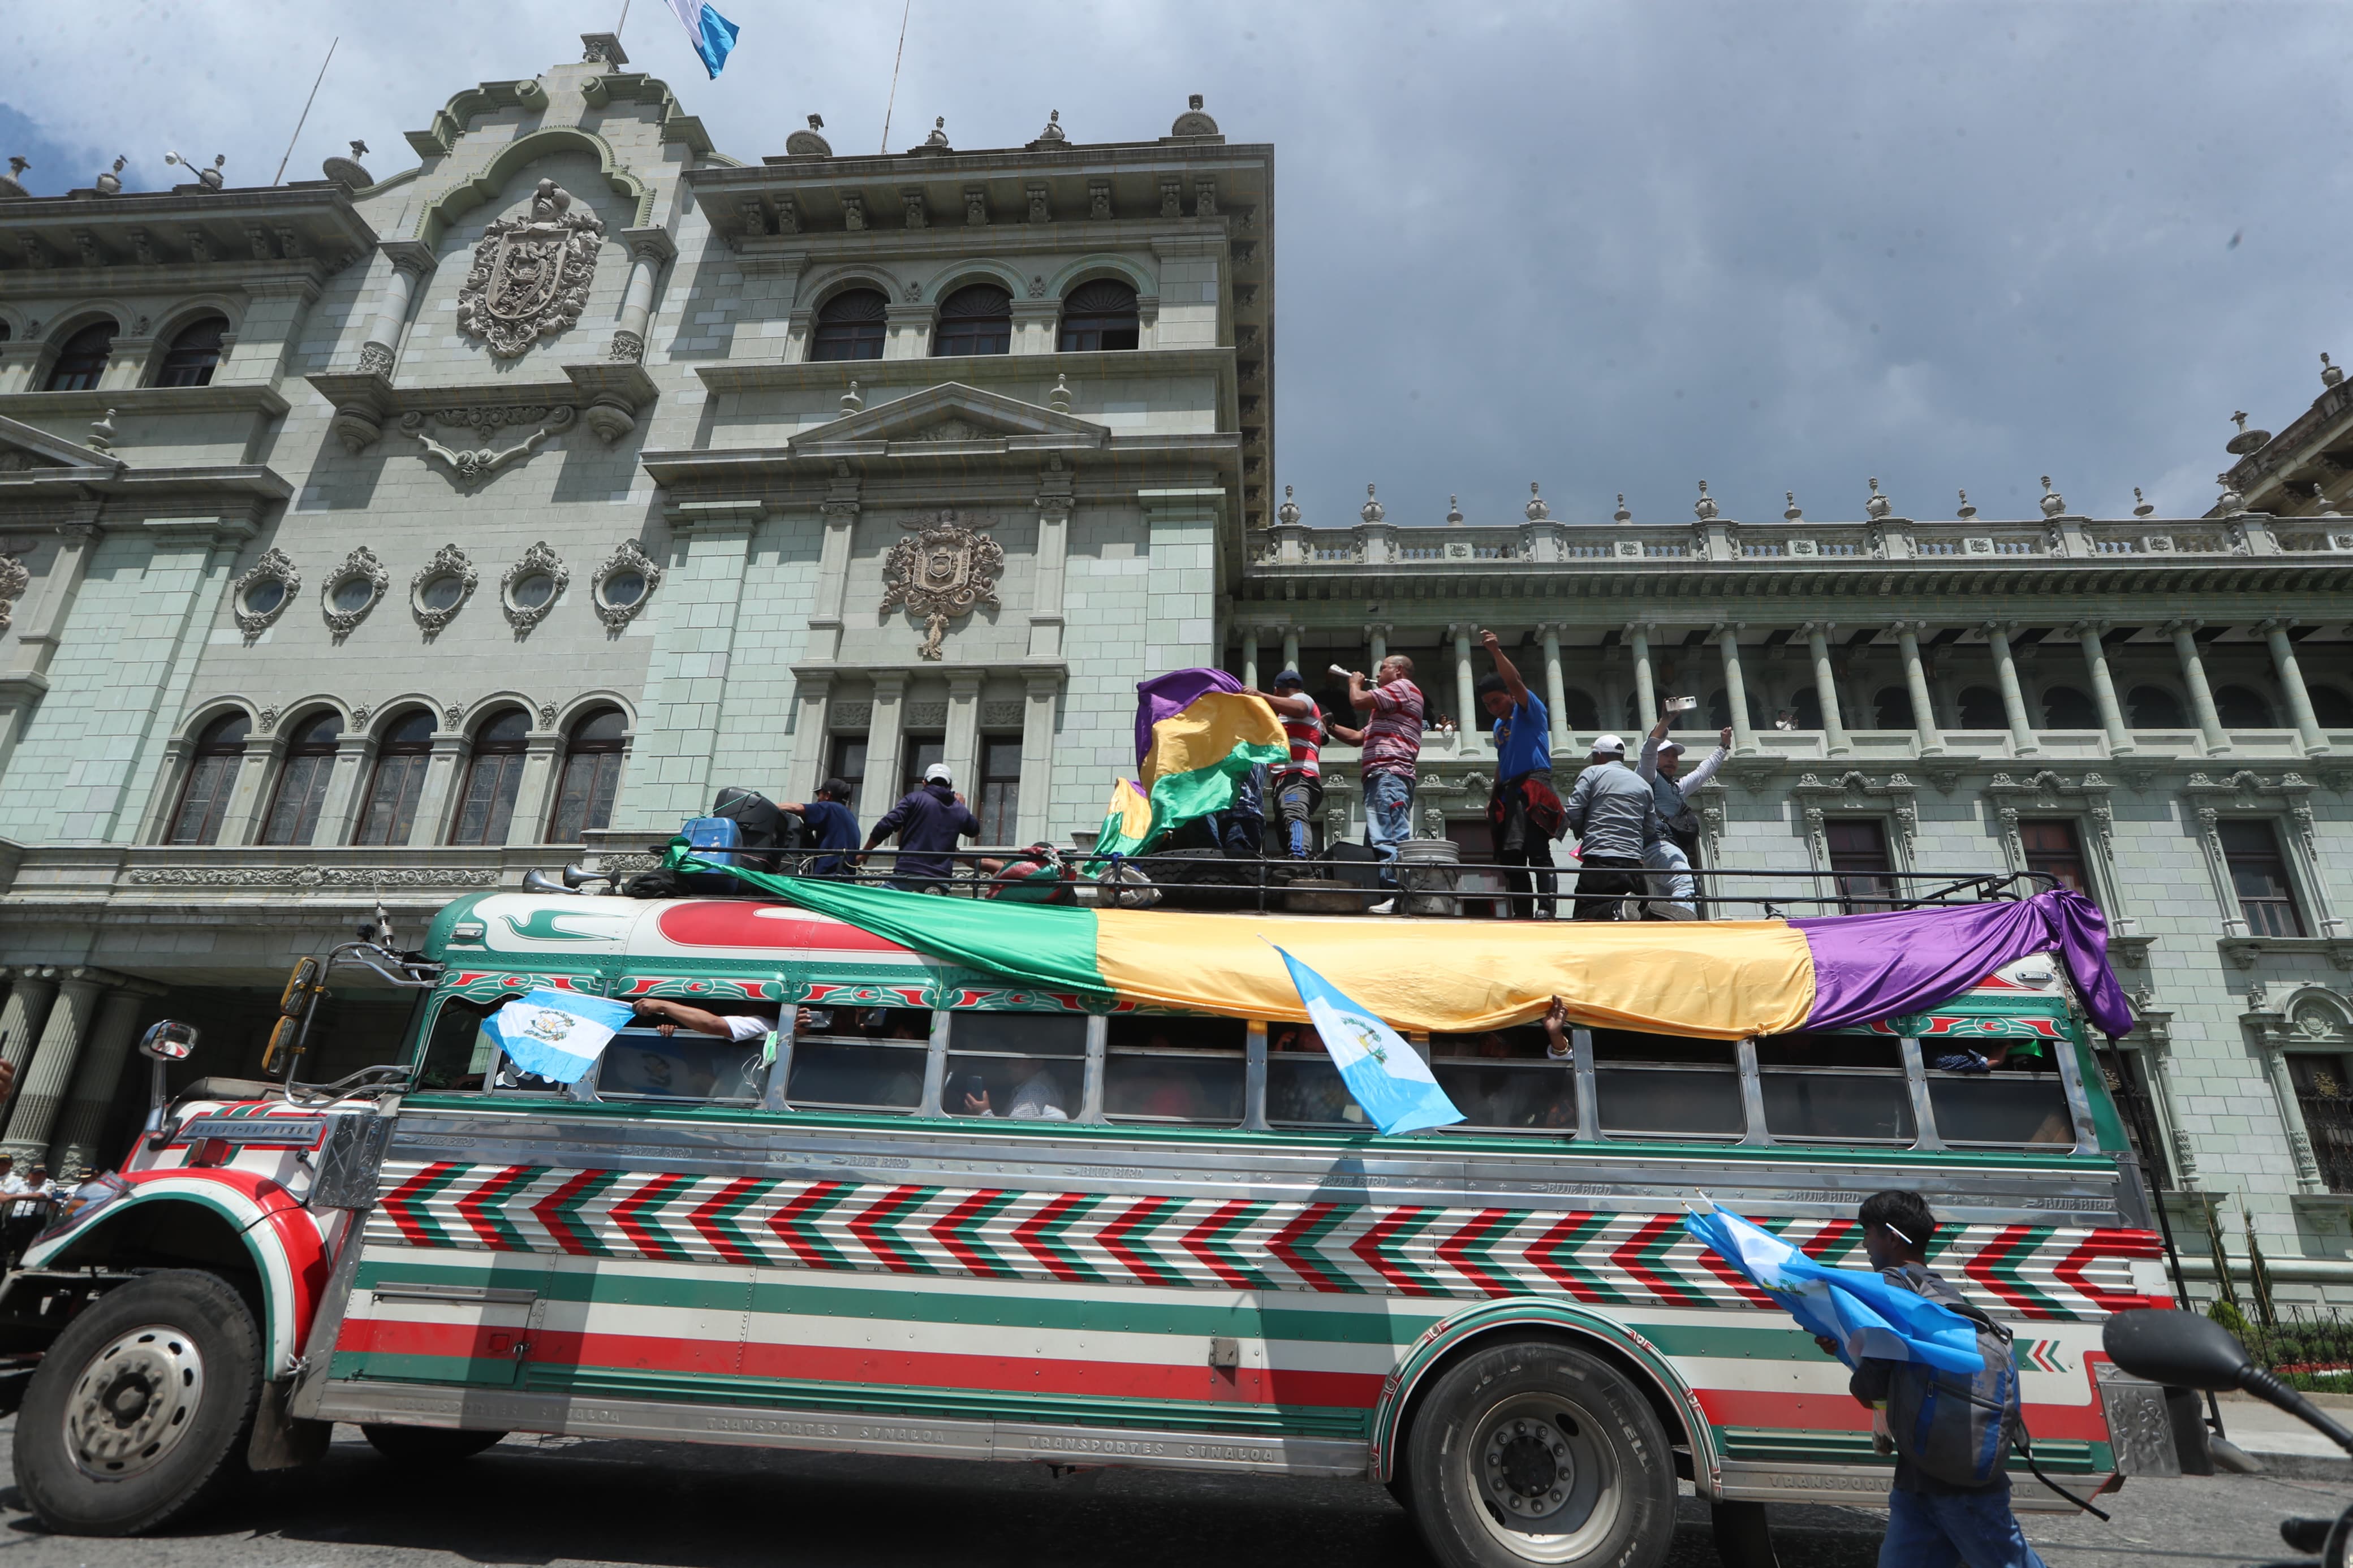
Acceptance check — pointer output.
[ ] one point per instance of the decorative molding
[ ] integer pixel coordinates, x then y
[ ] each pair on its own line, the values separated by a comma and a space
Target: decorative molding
453, 715
531, 275
627, 556
447, 560
849, 716
627, 347
1000, 715
547, 712
302, 877
472, 466
2055, 791
266, 720
539, 558
944, 571
273, 567
1857, 790
375, 360
360, 564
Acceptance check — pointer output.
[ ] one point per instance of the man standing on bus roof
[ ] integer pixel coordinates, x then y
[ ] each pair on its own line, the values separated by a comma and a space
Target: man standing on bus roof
1299, 782
1392, 745
1524, 814
928, 820
831, 825
1931, 1522
1660, 766
1616, 822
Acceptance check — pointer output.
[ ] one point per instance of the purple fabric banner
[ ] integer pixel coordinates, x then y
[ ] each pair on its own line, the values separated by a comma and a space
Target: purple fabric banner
1868, 967
1174, 693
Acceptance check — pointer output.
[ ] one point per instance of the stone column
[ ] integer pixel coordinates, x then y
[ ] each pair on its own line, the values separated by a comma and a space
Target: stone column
2201, 694
410, 262
811, 730
1376, 640
94, 1083
2013, 697
2291, 679
2103, 686
881, 790
1915, 682
1646, 694
1556, 694
960, 748
1818, 649
1735, 689
21, 1018
1465, 714
1291, 647
1053, 552
1249, 659
44, 1086
339, 812
436, 800
248, 799
543, 761
650, 250
1037, 756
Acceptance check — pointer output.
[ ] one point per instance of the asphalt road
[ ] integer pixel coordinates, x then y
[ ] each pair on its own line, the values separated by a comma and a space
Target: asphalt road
569, 1501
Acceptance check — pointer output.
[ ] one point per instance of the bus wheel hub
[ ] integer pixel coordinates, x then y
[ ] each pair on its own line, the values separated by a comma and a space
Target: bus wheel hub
134, 1402
1527, 1467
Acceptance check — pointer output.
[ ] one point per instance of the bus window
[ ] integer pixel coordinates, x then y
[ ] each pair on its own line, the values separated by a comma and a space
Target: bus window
643, 1063
861, 1058
1029, 1067
1503, 1079
2014, 1106
1667, 1085
1835, 1089
1174, 1068
1303, 1087
457, 1050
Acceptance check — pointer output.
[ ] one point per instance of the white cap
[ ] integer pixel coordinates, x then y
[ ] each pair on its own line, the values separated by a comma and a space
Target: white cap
1670, 746
938, 774
1609, 746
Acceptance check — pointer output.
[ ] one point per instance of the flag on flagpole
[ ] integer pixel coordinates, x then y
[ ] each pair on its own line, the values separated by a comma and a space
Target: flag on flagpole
557, 1035
1862, 1314
1386, 1075
713, 35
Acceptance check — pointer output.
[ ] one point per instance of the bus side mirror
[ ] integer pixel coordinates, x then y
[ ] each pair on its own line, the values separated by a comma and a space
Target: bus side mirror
168, 1041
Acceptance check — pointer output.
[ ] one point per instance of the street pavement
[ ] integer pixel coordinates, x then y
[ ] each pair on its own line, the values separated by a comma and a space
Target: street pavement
561, 1501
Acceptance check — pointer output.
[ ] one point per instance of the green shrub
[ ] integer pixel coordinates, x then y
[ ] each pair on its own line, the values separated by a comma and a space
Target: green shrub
2231, 1317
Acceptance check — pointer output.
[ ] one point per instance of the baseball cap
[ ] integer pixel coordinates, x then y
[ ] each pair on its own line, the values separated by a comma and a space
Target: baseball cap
1289, 678
1608, 746
1667, 746
938, 774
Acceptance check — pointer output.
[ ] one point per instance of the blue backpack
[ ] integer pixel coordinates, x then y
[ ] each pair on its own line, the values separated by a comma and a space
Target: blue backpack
1958, 1429
715, 839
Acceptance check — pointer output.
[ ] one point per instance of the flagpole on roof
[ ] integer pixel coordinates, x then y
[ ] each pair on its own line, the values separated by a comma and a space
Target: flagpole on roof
624, 19
901, 55
306, 109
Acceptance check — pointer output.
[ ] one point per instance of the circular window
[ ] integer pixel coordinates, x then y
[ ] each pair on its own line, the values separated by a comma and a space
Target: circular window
623, 589
442, 593
354, 594
264, 597
533, 591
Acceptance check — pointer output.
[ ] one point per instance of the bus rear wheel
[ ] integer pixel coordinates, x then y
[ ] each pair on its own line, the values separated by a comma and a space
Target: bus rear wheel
143, 1408
1534, 1452
422, 1447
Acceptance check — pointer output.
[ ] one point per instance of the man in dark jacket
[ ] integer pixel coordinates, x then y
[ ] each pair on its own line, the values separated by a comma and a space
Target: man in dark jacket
928, 821
1929, 1521
831, 826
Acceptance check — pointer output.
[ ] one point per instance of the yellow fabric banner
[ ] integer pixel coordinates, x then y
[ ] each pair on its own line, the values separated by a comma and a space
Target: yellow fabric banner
1206, 732
1721, 980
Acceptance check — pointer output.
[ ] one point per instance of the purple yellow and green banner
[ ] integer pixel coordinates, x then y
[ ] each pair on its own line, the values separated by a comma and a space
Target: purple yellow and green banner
1198, 734
1717, 978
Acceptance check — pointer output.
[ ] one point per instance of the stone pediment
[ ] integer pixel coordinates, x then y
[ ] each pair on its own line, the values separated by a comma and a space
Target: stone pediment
952, 415
27, 449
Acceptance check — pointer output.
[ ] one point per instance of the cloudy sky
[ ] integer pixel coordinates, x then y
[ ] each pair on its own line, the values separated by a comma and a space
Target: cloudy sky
1608, 246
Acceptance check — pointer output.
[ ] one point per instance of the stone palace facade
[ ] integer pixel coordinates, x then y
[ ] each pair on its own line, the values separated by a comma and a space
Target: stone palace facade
366, 541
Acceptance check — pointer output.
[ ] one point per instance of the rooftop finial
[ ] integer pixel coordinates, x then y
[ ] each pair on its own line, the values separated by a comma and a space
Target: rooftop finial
2053, 503
2230, 502
11, 183
851, 402
101, 432
1053, 132
1537, 510
18, 165
110, 181
1791, 513
1372, 510
1621, 514
1966, 511
939, 136
1059, 399
1288, 512
1705, 506
1193, 101
1878, 506
2246, 440
2140, 506
1453, 511
2330, 374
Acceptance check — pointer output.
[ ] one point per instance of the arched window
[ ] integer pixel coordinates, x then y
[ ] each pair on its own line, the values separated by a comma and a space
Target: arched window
2240, 709
1098, 315
977, 319
593, 754
1981, 709
1580, 712
2331, 707
1806, 707
493, 776
852, 325
2154, 708
195, 354
1891, 709
83, 359
302, 781
212, 778
2064, 708
401, 759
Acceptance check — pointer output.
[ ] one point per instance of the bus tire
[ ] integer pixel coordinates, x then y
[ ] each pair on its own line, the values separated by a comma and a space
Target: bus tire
423, 1447
142, 1407
1534, 1452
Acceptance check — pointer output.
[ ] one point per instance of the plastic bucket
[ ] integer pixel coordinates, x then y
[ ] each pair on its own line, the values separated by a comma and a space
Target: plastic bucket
1428, 873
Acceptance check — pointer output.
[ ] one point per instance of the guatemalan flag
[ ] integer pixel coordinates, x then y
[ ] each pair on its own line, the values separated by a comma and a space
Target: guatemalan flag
713, 33
1860, 1313
1386, 1075
557, 1035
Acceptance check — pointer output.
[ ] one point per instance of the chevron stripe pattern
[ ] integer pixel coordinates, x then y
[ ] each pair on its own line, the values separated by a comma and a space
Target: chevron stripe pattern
1612, 1259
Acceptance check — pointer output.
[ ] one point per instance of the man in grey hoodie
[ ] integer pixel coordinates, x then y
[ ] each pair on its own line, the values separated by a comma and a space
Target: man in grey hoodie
1611, 811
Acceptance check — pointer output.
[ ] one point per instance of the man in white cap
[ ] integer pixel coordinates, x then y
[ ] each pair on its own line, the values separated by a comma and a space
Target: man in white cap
928, 820
1662, 769
1615, 820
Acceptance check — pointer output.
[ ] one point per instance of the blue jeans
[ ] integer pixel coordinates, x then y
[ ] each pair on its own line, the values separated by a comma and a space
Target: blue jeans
1927, 1531
1389, 818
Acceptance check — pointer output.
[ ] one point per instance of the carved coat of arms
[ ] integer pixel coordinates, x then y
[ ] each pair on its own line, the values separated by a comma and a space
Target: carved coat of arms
940, 574
531, 275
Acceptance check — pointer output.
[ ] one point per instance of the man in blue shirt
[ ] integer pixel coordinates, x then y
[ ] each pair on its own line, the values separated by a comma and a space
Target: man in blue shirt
928, 820
1524, 813
831, 826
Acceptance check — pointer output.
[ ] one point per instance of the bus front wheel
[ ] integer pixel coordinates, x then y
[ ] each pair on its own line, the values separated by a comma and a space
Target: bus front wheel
1534, 1452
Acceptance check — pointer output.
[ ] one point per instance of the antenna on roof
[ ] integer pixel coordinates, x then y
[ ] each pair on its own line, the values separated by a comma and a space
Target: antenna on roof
901, 55
307, 102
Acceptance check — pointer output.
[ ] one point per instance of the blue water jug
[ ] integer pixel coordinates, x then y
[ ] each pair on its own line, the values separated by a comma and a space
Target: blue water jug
715, 839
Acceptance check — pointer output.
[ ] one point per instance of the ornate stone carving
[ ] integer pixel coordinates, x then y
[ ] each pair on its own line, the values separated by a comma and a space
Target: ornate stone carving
952, 430
453, 715
852, 715
471, 467
266, 720
927, 715
540, 558
302, 877
944, 571
273, 567
531, 274
626, 557
360, 565
375, 360
447, 561
13, 581
1000, 715
547, 715
627, 348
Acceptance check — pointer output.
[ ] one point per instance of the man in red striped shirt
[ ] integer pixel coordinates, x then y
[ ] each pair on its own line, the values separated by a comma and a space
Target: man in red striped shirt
1298, 784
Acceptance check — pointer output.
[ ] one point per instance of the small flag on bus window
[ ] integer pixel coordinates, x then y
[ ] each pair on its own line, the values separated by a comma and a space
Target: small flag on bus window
557, 1035
1386, 1075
